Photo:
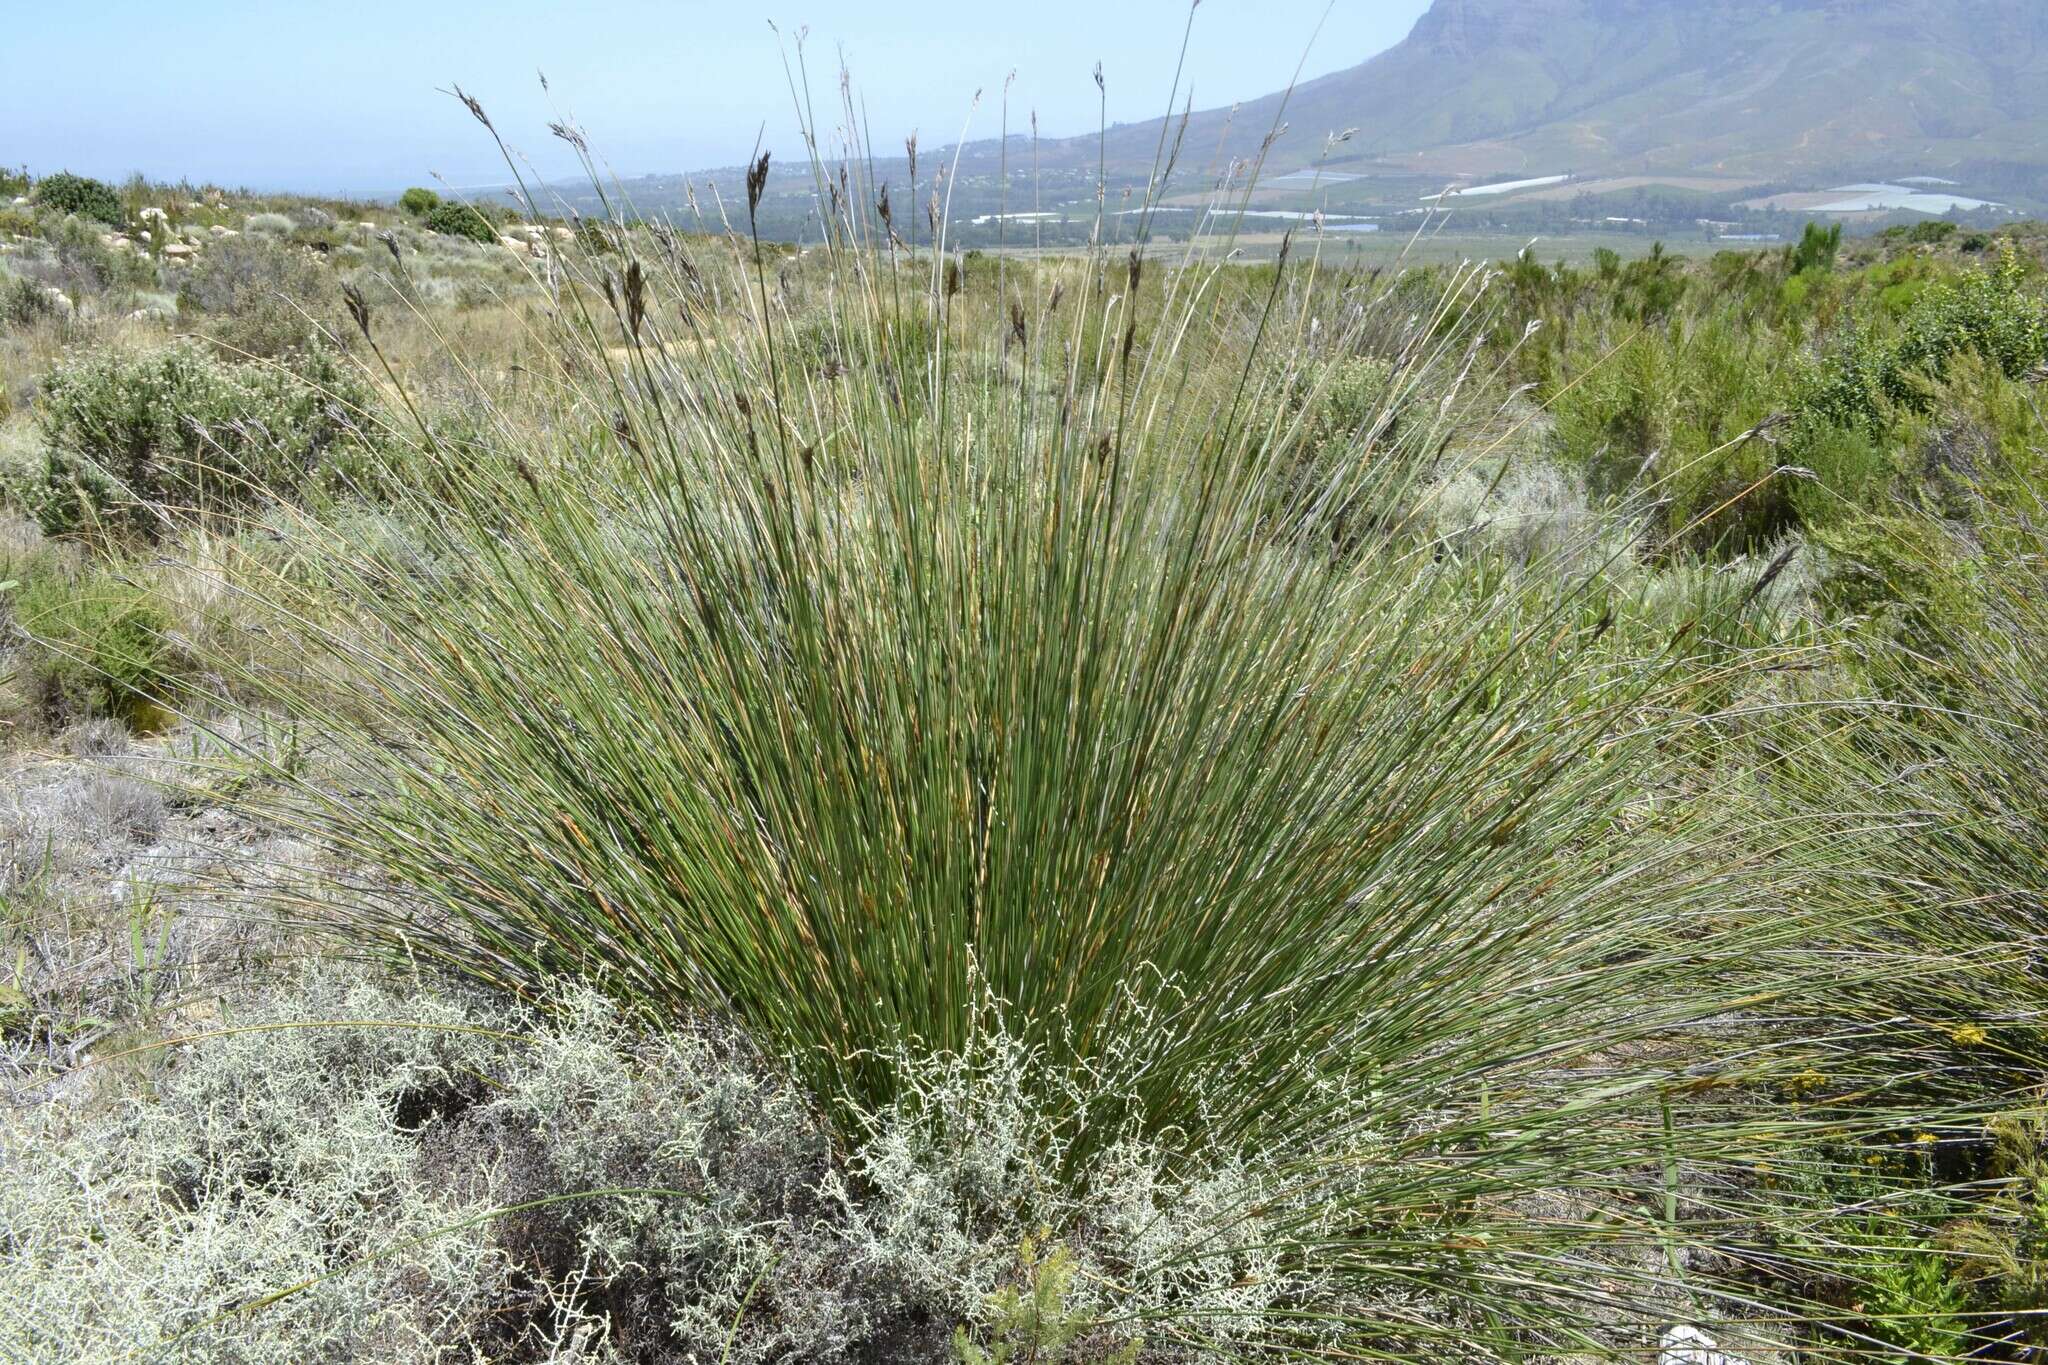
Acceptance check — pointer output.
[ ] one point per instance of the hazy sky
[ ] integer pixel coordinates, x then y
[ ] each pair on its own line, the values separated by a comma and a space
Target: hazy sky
290, 94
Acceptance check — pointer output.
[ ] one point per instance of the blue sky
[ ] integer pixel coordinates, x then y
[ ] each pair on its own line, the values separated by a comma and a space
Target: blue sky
277, 94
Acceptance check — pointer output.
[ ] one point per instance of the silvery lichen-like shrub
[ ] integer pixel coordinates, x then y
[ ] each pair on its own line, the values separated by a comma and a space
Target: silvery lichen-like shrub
353, 1171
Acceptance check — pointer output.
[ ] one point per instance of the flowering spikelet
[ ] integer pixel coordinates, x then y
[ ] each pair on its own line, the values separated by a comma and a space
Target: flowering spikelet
475, 108
757, 182
636, 299
358, 307
571, 135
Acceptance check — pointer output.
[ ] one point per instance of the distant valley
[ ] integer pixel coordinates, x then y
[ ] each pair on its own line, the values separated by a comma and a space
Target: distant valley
1699, 119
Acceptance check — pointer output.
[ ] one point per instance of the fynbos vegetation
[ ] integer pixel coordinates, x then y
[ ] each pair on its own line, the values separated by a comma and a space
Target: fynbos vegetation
877, 802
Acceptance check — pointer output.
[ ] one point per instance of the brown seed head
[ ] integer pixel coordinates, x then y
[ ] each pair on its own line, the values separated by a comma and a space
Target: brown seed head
358, 308
636, 299
475, 108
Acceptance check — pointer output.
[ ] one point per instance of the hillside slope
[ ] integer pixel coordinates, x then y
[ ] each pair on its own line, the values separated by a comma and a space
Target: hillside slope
1757, 89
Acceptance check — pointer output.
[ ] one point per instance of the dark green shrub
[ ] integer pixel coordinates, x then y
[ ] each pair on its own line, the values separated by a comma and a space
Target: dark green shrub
1871, 1225
82, 195
460, 220
1870, 377
133, 436
1931, 233
1651, 287
1661, 423
1816, 250
94, 644
13, 184
599, 236
419, 201
1990, 313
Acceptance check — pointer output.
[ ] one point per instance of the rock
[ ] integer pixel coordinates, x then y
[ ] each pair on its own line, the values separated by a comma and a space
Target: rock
1691, 1346
518, 244
179, 251
367, 227
563, 234
144, 235
151, 211
59, 300
21, 201
219, 231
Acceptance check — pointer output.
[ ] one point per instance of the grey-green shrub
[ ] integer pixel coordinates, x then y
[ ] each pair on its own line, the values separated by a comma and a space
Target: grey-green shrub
78, 262
263, 1159
453, 1179
24, 303
135, 439
256, 297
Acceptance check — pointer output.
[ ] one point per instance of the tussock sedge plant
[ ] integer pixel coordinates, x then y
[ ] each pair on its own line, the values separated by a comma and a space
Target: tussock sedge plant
889, 651
1940, 785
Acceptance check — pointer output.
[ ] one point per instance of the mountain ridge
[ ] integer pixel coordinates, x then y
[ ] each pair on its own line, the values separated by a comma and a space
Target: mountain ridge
1762, 90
